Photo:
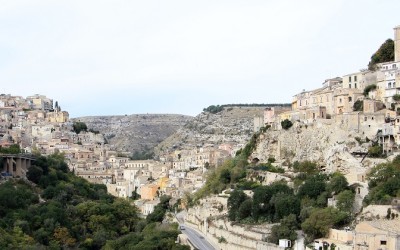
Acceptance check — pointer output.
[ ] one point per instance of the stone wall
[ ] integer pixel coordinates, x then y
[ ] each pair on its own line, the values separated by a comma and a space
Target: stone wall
236, 237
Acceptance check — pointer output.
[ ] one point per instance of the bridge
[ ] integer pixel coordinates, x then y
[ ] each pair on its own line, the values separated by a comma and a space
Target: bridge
15, 165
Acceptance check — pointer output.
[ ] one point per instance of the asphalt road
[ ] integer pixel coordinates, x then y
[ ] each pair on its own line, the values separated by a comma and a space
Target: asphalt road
196, 238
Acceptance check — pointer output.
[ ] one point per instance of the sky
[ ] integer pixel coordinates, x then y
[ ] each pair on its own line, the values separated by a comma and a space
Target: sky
135, 57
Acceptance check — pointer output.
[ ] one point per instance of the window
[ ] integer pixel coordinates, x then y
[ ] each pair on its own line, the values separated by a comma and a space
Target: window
365, 118
349, 78
350, 86
340, 100
355, 78
383, 242
355, 85
350, 99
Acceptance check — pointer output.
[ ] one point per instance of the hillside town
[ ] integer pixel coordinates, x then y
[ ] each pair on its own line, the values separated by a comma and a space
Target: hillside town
38, 125
362, 106
335, 126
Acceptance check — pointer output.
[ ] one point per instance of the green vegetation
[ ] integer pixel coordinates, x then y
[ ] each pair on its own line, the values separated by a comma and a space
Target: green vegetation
384, 183
303, 206
297, 207
223, 177
12, 149
286, 229
79, 127
385, 53
96, 132
375, 151
71, 213
286, 124
159, 210
213, 109
368, 89
144, 155
321, 220
358, 105
396, 97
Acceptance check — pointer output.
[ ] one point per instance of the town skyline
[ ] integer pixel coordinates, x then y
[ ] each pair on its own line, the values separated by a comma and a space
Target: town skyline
129, 58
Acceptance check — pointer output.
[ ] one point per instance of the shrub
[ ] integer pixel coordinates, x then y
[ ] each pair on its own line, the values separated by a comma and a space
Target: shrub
213, 109
396, 97
79, 126
358, 105
368, 89
384, 54
286, 124
375, 151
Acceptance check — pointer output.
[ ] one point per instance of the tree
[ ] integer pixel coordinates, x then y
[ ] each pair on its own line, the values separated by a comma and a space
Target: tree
34, 174
375, 151
337, 183
313, 187
345, 201
236, 198
79, 127
12, 149
308, 167
384, 182
225, 176
321, 220
159, 211
286, 124
385, 53
244, 210
358, 105
213, 109
284, 205
62, 235
286, 229
368, 89
263, 203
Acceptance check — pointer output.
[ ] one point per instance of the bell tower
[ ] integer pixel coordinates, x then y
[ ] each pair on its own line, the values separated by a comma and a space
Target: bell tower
397, 43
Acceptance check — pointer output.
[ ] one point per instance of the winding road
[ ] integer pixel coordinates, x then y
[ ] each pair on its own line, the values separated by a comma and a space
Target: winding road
196, 238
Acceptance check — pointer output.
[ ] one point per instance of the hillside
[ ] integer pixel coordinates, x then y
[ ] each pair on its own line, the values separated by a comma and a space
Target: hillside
57, 210
138, 132
232, 124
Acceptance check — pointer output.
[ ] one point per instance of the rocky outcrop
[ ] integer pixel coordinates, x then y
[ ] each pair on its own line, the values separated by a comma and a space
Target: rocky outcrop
139, 132
328, 144
232, 124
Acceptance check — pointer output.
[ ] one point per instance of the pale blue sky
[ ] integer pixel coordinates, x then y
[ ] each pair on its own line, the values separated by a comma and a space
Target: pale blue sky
127, 57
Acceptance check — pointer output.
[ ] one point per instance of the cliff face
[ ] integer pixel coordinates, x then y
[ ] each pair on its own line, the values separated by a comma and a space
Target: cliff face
329, 144
232, 124
137, 132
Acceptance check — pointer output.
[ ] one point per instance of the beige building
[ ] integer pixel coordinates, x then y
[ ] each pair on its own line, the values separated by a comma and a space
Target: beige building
58, 116
397, 43
40, 102
353, 81
378, 234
